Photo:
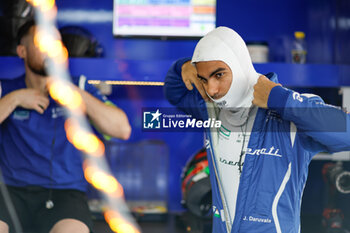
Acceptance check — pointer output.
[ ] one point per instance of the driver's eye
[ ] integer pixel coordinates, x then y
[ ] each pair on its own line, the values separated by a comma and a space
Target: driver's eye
219, 75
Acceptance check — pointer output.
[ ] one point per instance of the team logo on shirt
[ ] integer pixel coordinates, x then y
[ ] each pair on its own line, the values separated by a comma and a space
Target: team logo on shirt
229, 162
224, 132
21, 115
264, 151
296, 96
58, 112
216, 212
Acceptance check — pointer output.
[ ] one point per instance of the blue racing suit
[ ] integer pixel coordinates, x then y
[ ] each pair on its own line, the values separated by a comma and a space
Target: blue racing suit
283, 141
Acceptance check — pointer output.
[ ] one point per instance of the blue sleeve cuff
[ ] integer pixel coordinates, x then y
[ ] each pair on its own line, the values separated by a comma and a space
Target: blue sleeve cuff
179, 63
278, 99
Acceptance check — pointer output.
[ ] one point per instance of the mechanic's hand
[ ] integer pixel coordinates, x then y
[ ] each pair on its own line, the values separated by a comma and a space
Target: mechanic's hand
189, 77
32, 99
262, 91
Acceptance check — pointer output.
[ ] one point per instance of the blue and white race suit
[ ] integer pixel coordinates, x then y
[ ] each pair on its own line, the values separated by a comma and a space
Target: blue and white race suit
283, 141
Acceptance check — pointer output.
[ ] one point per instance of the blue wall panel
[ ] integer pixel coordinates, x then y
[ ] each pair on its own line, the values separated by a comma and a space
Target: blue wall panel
342, 39
321, 31
262, 20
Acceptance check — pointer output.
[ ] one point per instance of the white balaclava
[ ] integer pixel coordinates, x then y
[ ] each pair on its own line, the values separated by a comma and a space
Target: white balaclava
224, 44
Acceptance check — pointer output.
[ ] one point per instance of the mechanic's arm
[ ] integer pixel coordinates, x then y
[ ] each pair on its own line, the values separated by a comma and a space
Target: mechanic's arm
108, 119
325, 124
179, 89
25, 98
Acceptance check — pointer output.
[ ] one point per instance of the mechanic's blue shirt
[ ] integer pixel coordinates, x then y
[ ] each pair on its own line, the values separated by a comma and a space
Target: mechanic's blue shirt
283, 141
34, 150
